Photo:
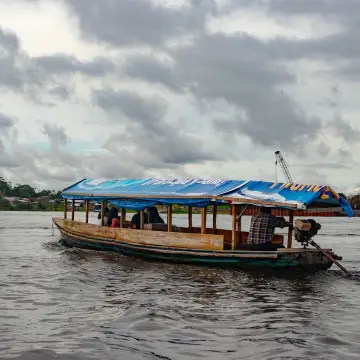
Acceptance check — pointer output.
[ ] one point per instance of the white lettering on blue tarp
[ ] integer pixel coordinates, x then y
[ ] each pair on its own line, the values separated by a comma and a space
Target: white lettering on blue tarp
96, 182
183, 181
180, 181
210, 182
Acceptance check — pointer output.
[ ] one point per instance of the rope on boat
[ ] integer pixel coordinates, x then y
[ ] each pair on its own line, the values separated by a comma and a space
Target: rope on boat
313, 243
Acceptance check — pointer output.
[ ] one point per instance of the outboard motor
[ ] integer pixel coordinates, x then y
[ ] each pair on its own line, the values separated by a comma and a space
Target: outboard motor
304, 230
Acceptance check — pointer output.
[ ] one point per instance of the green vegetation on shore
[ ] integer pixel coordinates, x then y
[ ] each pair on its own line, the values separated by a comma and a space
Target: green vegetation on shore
23, 197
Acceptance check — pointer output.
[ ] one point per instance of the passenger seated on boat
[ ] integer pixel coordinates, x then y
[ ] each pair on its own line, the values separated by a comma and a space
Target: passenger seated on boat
135, 221
106, 215
115, 222
114, 213
153, 216
263, 226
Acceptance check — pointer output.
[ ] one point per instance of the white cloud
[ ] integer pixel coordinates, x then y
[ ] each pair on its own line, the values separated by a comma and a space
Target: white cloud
182, 89
46, 28
256, 22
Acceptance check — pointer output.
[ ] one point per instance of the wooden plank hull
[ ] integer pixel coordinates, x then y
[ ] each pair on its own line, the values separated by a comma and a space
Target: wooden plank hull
119, 240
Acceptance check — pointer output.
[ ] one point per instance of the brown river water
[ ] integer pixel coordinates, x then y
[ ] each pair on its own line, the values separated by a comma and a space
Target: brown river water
58, 303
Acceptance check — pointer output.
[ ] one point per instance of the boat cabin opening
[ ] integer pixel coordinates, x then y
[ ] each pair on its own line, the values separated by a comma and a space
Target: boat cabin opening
213, 237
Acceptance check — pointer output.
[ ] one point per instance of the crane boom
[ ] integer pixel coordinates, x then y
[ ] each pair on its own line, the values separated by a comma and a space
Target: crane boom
284, 167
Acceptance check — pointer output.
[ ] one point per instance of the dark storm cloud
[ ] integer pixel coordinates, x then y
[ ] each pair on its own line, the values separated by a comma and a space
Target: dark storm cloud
8, 161
312, 176
147, 129
245, 72
320, 7
147, 112
323, 149
6, 122
344, 129
6, 125
138, 22
323, 165
153, 70
343, 45
8, 41
58, 168
60, 92
340, 50
56, 135
35, 77
64, 64
11, 74
240, 72
351, 71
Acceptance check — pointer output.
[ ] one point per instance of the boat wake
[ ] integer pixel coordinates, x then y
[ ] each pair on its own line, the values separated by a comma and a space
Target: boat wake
53, 245
355, 275
25, 226
339, 234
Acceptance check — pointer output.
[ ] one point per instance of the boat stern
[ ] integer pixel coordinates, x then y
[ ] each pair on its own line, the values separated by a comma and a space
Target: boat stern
308, 258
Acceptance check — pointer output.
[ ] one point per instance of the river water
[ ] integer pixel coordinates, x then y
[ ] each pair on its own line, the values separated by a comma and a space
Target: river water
58, 303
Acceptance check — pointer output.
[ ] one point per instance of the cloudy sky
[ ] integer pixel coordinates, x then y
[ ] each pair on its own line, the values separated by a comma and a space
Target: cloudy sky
179, 88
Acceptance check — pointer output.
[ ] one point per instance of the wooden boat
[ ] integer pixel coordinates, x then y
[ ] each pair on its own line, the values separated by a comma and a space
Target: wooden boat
199, 245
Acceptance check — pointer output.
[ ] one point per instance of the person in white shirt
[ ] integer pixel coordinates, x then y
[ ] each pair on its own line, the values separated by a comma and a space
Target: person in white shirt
106, 215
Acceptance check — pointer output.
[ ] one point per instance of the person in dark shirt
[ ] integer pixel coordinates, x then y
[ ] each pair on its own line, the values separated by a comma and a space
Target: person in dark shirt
135, 221
153, 216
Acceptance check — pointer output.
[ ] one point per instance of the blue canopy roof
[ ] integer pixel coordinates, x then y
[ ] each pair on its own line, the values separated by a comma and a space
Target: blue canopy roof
139, 194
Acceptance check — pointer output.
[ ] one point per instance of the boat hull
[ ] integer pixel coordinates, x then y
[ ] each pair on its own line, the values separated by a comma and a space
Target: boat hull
301, 259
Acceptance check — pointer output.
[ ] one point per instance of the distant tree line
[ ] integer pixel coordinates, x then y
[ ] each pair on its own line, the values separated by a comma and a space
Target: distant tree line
355, 201
26, 197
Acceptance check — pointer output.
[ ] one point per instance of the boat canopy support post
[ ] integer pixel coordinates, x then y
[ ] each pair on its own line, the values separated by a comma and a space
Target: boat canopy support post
169, 218
238, 220
234, 223
103, 205
203, 220
190, 218
214, 218
123, 218
240, 212
73, 210
65, 208
142, 215
290, 233
87, 211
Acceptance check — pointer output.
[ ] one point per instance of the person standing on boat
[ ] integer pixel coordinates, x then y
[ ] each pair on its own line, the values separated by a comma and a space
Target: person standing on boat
262, 227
